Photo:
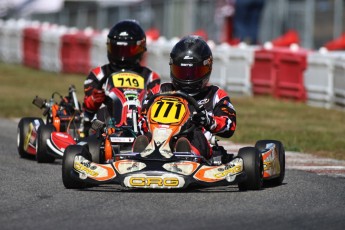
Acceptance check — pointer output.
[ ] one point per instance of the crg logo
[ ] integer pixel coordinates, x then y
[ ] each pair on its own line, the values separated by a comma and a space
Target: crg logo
154, 182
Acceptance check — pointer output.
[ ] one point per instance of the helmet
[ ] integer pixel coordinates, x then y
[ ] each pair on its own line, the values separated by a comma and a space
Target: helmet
190, 64
126, 43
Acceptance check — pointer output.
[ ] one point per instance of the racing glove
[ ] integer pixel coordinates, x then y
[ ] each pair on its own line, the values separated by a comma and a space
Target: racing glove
202, 118
98, 95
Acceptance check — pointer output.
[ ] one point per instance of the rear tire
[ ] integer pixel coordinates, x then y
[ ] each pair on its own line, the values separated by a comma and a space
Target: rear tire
68, 167
261, 145
253, 167
22, 132
44, 133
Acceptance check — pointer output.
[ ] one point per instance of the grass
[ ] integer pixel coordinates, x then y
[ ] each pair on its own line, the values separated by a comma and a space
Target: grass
19, 86
299, 126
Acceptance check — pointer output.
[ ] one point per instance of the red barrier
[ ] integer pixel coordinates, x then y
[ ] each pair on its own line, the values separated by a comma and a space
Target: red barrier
290, 74
31, 46
263, 72
68, 51
83, 50
279, 72
75, 52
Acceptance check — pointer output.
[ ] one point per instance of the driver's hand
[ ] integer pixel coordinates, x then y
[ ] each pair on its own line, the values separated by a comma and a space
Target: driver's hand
98, 95
202, 118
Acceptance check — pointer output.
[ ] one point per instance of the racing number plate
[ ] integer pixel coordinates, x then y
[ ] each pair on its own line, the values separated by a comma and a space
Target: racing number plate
168, 110
128, 80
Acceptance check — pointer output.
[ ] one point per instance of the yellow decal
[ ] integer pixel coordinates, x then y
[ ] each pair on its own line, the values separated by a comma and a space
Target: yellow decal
267, 165
28, 136
150, 181
233, 170
128, 80
167, 111
82, 168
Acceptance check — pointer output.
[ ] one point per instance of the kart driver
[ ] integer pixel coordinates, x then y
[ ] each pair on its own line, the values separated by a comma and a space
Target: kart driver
126, 44
190, 70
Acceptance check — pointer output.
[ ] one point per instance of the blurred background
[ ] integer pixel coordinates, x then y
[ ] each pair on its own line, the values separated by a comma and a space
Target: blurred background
312, 23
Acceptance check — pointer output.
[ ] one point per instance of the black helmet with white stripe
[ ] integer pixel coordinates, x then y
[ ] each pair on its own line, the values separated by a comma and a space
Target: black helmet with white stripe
190, 64
126, 43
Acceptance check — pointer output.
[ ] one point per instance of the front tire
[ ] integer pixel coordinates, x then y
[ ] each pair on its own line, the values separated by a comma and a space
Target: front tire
22, 132
68, 167
261, 145
253, 167
94, 145
44, 133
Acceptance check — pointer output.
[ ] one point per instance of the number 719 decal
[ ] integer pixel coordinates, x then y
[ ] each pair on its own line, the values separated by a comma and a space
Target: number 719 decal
128, 80
167, 111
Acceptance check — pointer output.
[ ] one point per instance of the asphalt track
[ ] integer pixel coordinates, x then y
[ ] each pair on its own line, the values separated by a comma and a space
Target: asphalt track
32, 196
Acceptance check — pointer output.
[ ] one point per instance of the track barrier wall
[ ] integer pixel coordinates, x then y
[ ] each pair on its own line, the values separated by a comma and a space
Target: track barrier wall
314, 77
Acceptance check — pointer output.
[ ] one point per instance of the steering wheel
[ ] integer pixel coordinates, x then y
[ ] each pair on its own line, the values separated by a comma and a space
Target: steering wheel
191, 101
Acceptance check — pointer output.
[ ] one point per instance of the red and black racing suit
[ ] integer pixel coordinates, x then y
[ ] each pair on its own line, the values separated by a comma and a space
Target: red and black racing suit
218, 105
97, 78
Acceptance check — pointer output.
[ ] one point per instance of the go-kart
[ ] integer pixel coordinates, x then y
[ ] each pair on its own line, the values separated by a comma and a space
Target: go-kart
114, 128
47, 140
155, 165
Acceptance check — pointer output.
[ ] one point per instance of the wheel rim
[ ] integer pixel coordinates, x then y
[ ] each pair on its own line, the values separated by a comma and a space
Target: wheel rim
18, 137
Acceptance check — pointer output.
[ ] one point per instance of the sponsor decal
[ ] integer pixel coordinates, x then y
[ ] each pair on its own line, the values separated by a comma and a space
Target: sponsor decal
187, 64
188, 57
28, 137
203, 101
152, 181
159, 181
88, 81
184, 167
126, 166
212, 174
267, 165
229, 170
271, 161
122, 43
85, 168
122, 139
124, 33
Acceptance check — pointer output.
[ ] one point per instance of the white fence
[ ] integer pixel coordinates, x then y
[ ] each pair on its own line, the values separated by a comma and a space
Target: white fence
324, 77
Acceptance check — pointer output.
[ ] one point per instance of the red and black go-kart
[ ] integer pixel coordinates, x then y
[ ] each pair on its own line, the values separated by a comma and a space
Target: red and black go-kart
115, 127
154, 165
48, 139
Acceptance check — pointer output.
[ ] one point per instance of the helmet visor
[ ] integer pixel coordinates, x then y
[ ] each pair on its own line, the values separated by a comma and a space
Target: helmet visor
189, 73
121, 50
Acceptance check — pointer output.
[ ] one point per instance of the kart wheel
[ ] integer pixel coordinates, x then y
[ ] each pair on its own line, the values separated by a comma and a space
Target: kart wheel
94, 144
253, 167
68, 167
22, 132
261, 145
44, 133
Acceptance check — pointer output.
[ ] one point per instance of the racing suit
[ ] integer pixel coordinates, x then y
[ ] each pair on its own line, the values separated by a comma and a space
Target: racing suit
219, 108
94, 83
